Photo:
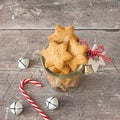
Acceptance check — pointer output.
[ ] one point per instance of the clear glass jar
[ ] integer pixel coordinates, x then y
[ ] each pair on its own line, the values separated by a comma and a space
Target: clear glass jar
63, 82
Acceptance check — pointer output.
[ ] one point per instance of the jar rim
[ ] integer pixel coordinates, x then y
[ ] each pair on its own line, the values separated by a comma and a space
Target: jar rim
79, 70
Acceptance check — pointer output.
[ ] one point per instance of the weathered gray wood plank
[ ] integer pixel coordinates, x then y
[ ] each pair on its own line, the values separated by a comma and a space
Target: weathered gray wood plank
17, 43
98, 97
41, 14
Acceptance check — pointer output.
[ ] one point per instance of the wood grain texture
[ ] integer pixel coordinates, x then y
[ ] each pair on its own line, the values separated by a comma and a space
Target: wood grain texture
17, 43
98, 97
24, 27
43, 14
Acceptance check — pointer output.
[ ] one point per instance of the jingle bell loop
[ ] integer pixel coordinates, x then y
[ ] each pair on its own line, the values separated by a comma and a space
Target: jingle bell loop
88, 69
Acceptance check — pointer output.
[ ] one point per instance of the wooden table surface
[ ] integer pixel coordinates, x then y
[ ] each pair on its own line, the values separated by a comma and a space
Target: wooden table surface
24, 28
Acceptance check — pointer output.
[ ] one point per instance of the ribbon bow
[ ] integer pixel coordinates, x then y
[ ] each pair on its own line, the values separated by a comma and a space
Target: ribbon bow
96, 52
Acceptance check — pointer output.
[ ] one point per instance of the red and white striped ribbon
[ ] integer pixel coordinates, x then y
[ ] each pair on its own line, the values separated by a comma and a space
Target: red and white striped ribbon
21, 87
96, 52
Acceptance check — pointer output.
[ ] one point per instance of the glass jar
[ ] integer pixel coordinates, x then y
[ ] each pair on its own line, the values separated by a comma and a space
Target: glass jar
63, 82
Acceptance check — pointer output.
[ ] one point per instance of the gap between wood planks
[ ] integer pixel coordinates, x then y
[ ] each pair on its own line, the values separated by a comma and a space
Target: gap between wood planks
77, 28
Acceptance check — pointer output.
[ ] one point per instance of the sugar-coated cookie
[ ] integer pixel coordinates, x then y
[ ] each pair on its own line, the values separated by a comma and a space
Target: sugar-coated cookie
56, 54
63, 34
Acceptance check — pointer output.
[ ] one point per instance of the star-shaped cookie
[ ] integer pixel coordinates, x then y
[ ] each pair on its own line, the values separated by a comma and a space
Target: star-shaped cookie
65, 70
79, 54
56, 54
54, 69
63, 34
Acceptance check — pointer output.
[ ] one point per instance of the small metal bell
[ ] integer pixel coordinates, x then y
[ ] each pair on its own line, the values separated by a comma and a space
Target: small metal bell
88, 69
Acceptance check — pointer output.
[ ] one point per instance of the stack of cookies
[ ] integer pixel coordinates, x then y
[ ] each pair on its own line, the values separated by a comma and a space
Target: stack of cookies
63, 56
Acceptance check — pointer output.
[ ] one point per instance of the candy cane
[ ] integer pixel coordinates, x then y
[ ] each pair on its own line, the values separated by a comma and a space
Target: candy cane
21, 87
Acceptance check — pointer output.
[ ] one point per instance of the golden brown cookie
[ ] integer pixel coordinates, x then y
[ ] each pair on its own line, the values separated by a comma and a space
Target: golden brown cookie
79, 53
54, 69
66, 82
56, 54
63, 34
65, 70
64, 88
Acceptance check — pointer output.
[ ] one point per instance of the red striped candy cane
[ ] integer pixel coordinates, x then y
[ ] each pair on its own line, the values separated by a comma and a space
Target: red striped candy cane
21, 87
